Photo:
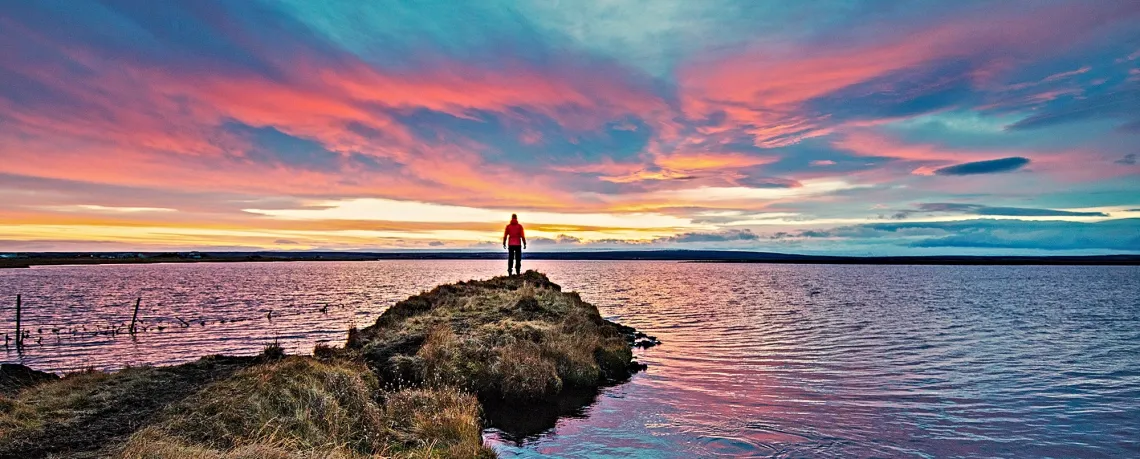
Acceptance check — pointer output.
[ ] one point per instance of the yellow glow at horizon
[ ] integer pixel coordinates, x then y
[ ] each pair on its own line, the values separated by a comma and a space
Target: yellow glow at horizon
363, 239
410, 211
368, 239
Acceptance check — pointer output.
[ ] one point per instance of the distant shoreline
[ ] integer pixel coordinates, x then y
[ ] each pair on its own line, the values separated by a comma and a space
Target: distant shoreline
77, 261
696, 256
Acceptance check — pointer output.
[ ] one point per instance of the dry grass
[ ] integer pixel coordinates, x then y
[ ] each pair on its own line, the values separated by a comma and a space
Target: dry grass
90, 392
513, 338
63, 400
435, 423
83, 411
301, 408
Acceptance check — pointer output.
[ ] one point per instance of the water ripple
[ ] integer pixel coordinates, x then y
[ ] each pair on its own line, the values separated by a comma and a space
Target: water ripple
758, 360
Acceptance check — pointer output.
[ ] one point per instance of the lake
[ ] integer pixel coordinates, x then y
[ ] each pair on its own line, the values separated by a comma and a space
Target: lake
758, 360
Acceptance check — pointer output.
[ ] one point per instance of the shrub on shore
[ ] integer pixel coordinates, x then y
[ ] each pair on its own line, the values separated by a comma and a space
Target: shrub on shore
516, 338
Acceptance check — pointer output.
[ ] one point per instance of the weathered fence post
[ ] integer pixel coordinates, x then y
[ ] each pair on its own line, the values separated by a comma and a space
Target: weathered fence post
135, 317
19, 331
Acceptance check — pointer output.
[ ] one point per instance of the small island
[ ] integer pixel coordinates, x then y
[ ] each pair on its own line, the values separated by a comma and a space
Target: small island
411, 385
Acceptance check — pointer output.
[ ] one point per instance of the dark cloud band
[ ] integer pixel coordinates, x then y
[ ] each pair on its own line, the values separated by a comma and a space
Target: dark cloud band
993, 166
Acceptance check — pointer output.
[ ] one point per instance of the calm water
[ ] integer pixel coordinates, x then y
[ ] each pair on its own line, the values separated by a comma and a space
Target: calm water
758, 360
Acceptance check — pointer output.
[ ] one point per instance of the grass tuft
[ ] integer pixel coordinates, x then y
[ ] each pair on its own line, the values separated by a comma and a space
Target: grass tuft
273, 351
300, 407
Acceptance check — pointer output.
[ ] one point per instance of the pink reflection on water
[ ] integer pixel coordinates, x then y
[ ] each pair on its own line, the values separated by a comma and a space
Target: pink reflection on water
757, 360
78, 316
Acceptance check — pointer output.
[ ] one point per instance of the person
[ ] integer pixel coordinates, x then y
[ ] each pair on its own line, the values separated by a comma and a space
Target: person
514, 240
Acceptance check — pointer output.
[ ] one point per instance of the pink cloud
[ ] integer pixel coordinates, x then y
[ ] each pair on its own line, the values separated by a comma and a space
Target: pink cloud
163, 124
134, 122
870, 143
1067, 165
763, 90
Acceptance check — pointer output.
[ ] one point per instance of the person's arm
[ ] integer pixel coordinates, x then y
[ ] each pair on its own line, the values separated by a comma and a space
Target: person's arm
505, 231
522, 235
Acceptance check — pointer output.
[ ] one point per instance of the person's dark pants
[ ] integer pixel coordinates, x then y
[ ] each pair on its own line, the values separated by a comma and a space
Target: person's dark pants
514, 256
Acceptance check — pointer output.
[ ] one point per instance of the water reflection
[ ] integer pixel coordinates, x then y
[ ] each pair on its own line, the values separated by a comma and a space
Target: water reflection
516, 423
759, 360
78, 315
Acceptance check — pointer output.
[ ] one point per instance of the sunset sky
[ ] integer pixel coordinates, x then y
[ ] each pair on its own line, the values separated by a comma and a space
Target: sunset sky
847, 127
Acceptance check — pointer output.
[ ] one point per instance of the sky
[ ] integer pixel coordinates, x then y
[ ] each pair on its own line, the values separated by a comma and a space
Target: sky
876, 127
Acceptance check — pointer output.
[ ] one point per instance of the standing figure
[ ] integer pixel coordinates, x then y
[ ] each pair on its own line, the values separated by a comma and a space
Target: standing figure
514, 240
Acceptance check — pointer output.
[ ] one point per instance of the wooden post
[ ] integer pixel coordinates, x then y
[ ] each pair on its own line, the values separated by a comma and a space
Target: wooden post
19, 331
135, 317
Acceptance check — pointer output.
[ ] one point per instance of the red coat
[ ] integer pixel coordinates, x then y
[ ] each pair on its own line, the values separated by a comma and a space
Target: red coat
514, 234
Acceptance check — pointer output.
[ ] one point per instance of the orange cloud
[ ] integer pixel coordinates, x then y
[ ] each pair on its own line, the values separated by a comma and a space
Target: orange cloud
164, 123
643, 175
711, 161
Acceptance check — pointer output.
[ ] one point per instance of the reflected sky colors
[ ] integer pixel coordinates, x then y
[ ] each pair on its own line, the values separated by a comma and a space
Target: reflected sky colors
848, 127
757, 360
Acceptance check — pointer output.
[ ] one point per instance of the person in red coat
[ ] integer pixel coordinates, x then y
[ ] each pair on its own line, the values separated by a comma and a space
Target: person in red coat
514, 240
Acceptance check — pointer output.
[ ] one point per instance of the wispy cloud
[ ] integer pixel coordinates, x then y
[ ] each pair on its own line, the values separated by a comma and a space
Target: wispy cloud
979, 209
360, 125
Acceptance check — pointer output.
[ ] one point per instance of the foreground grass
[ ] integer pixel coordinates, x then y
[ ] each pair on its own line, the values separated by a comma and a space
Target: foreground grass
57, 402
304, 408
295, 407
512, 338
84, 411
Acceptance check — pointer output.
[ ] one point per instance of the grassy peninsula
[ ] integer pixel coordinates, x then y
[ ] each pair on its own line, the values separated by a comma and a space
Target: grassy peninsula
514, 338
408, 386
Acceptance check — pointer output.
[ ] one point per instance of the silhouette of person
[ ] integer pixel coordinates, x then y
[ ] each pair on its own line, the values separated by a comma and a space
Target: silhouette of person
514, 240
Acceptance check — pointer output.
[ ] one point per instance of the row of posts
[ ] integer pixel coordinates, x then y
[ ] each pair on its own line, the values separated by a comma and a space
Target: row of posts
20, 328
132, 330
